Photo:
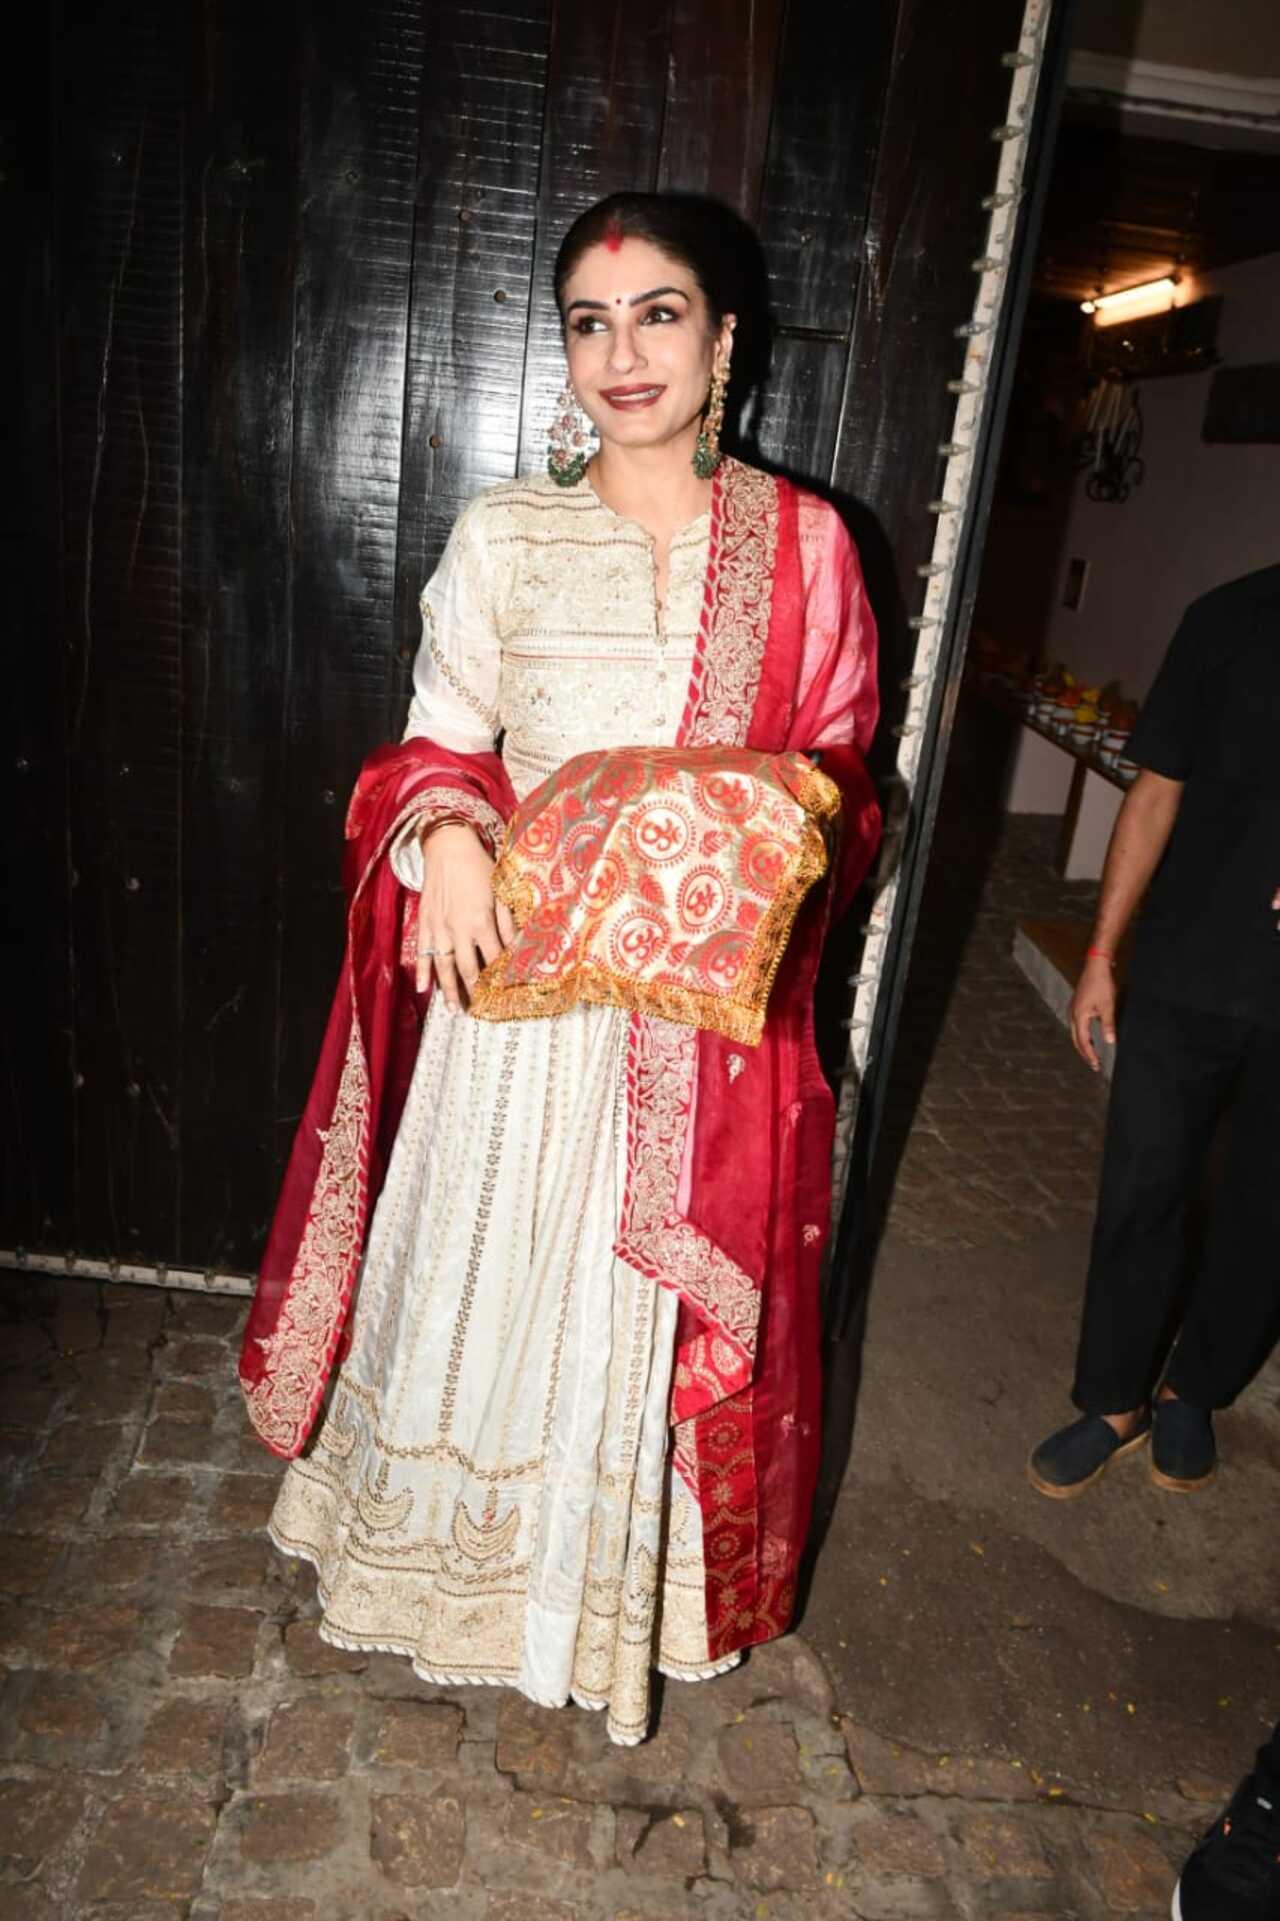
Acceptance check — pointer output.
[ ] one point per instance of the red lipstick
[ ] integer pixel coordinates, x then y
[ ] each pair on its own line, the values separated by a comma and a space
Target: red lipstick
632, 398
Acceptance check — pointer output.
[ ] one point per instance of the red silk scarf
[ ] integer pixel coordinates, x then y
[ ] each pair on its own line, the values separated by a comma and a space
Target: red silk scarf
728, 1166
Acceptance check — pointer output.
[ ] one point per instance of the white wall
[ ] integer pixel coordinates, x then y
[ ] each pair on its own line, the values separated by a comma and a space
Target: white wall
1203, 514
1224, 36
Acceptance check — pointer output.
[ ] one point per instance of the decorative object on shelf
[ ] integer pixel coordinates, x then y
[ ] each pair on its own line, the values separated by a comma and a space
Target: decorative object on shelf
1113, 741
1084, 719
1091, 724
1109, 446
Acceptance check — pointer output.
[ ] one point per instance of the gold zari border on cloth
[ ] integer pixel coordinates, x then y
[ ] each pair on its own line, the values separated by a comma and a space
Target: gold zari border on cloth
738, 1014
726, 668
662, 1059
281, 1403
661, 1066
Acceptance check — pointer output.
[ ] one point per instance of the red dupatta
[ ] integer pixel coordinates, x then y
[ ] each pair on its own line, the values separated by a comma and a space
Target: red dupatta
729, 1186
728, 1165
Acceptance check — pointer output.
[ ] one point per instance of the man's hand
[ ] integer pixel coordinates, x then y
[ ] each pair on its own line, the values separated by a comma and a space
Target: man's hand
1094, 999
1138, 841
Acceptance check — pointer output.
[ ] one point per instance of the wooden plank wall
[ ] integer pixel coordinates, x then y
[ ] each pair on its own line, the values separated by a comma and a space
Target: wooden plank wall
284, 302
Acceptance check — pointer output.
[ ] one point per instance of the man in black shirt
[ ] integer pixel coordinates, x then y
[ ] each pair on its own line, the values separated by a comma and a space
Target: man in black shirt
1201, 1031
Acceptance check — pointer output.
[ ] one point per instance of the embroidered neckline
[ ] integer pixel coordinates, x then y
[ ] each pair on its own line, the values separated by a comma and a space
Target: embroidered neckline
702, 521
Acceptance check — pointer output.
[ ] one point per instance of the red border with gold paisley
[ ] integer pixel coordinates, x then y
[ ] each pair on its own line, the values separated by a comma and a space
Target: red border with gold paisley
711, 1404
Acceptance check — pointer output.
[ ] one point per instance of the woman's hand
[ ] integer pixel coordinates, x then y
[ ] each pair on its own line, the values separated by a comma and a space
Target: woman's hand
461, 927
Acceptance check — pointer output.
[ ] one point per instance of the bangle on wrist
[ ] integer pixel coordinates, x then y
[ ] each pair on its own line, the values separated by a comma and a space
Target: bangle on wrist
1100, 953
432, 821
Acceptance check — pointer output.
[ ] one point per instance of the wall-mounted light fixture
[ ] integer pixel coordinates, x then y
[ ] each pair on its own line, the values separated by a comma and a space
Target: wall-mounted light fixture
1132, 303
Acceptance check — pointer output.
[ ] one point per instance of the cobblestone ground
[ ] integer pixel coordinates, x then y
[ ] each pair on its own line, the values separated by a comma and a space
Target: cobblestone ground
177, 1744
997, 1124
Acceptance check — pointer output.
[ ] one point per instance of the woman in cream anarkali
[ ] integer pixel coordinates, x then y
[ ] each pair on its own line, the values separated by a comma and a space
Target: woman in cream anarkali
565, 1428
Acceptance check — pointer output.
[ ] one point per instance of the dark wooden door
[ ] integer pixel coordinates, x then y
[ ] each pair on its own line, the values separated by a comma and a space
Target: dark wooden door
281, 305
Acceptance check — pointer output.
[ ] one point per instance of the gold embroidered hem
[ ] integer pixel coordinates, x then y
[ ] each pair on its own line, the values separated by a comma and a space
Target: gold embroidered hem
490, 1493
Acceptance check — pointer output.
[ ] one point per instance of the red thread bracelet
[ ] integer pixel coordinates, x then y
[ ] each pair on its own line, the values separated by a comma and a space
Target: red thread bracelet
1100, 953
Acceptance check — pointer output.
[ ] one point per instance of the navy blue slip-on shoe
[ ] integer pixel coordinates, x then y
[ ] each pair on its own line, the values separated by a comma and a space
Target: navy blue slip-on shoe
1076, 1456
1184, 1455
1233, 1874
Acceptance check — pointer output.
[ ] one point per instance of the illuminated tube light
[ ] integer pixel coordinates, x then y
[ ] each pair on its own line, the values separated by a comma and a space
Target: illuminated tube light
1132, 303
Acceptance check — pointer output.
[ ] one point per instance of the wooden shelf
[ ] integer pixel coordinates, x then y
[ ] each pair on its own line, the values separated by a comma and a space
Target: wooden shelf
1088, 757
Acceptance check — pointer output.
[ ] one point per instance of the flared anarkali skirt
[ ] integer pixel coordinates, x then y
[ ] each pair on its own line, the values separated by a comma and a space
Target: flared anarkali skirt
490, 1491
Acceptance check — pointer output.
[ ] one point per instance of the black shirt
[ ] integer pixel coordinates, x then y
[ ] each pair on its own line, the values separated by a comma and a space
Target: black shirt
1207, 934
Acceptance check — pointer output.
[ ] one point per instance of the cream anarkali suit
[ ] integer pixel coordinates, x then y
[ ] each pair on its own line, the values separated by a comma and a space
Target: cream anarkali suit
490, 1491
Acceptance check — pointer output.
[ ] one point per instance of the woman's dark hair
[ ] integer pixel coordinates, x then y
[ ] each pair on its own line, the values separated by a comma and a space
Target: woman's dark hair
716, 245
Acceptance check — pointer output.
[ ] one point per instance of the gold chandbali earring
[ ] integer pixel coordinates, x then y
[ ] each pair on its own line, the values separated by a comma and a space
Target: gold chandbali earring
568, 440
706, 455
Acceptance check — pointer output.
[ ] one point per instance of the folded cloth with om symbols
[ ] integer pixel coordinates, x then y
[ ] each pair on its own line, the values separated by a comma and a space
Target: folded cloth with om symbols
665, 879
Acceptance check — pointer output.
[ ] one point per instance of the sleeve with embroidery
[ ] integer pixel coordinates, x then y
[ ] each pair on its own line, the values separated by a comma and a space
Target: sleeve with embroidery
455, 675
455, 678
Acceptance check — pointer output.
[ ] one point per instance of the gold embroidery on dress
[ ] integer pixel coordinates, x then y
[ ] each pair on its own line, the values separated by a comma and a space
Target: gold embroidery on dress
335, 1436
380, 1510
493, 1155
453, 680
489, 1538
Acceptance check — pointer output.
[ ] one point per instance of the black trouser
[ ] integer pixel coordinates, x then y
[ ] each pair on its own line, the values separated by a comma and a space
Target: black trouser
1267, 1764
1176, 1070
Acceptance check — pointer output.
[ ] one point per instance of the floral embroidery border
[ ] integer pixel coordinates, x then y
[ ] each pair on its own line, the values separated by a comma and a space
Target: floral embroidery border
282, 1403
296, 1357
736, 608
714, 1435
653, 1237
716, 1365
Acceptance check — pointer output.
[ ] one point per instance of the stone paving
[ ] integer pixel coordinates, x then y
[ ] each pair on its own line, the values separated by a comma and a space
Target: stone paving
998, 1124
177, 1744
178, 1741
